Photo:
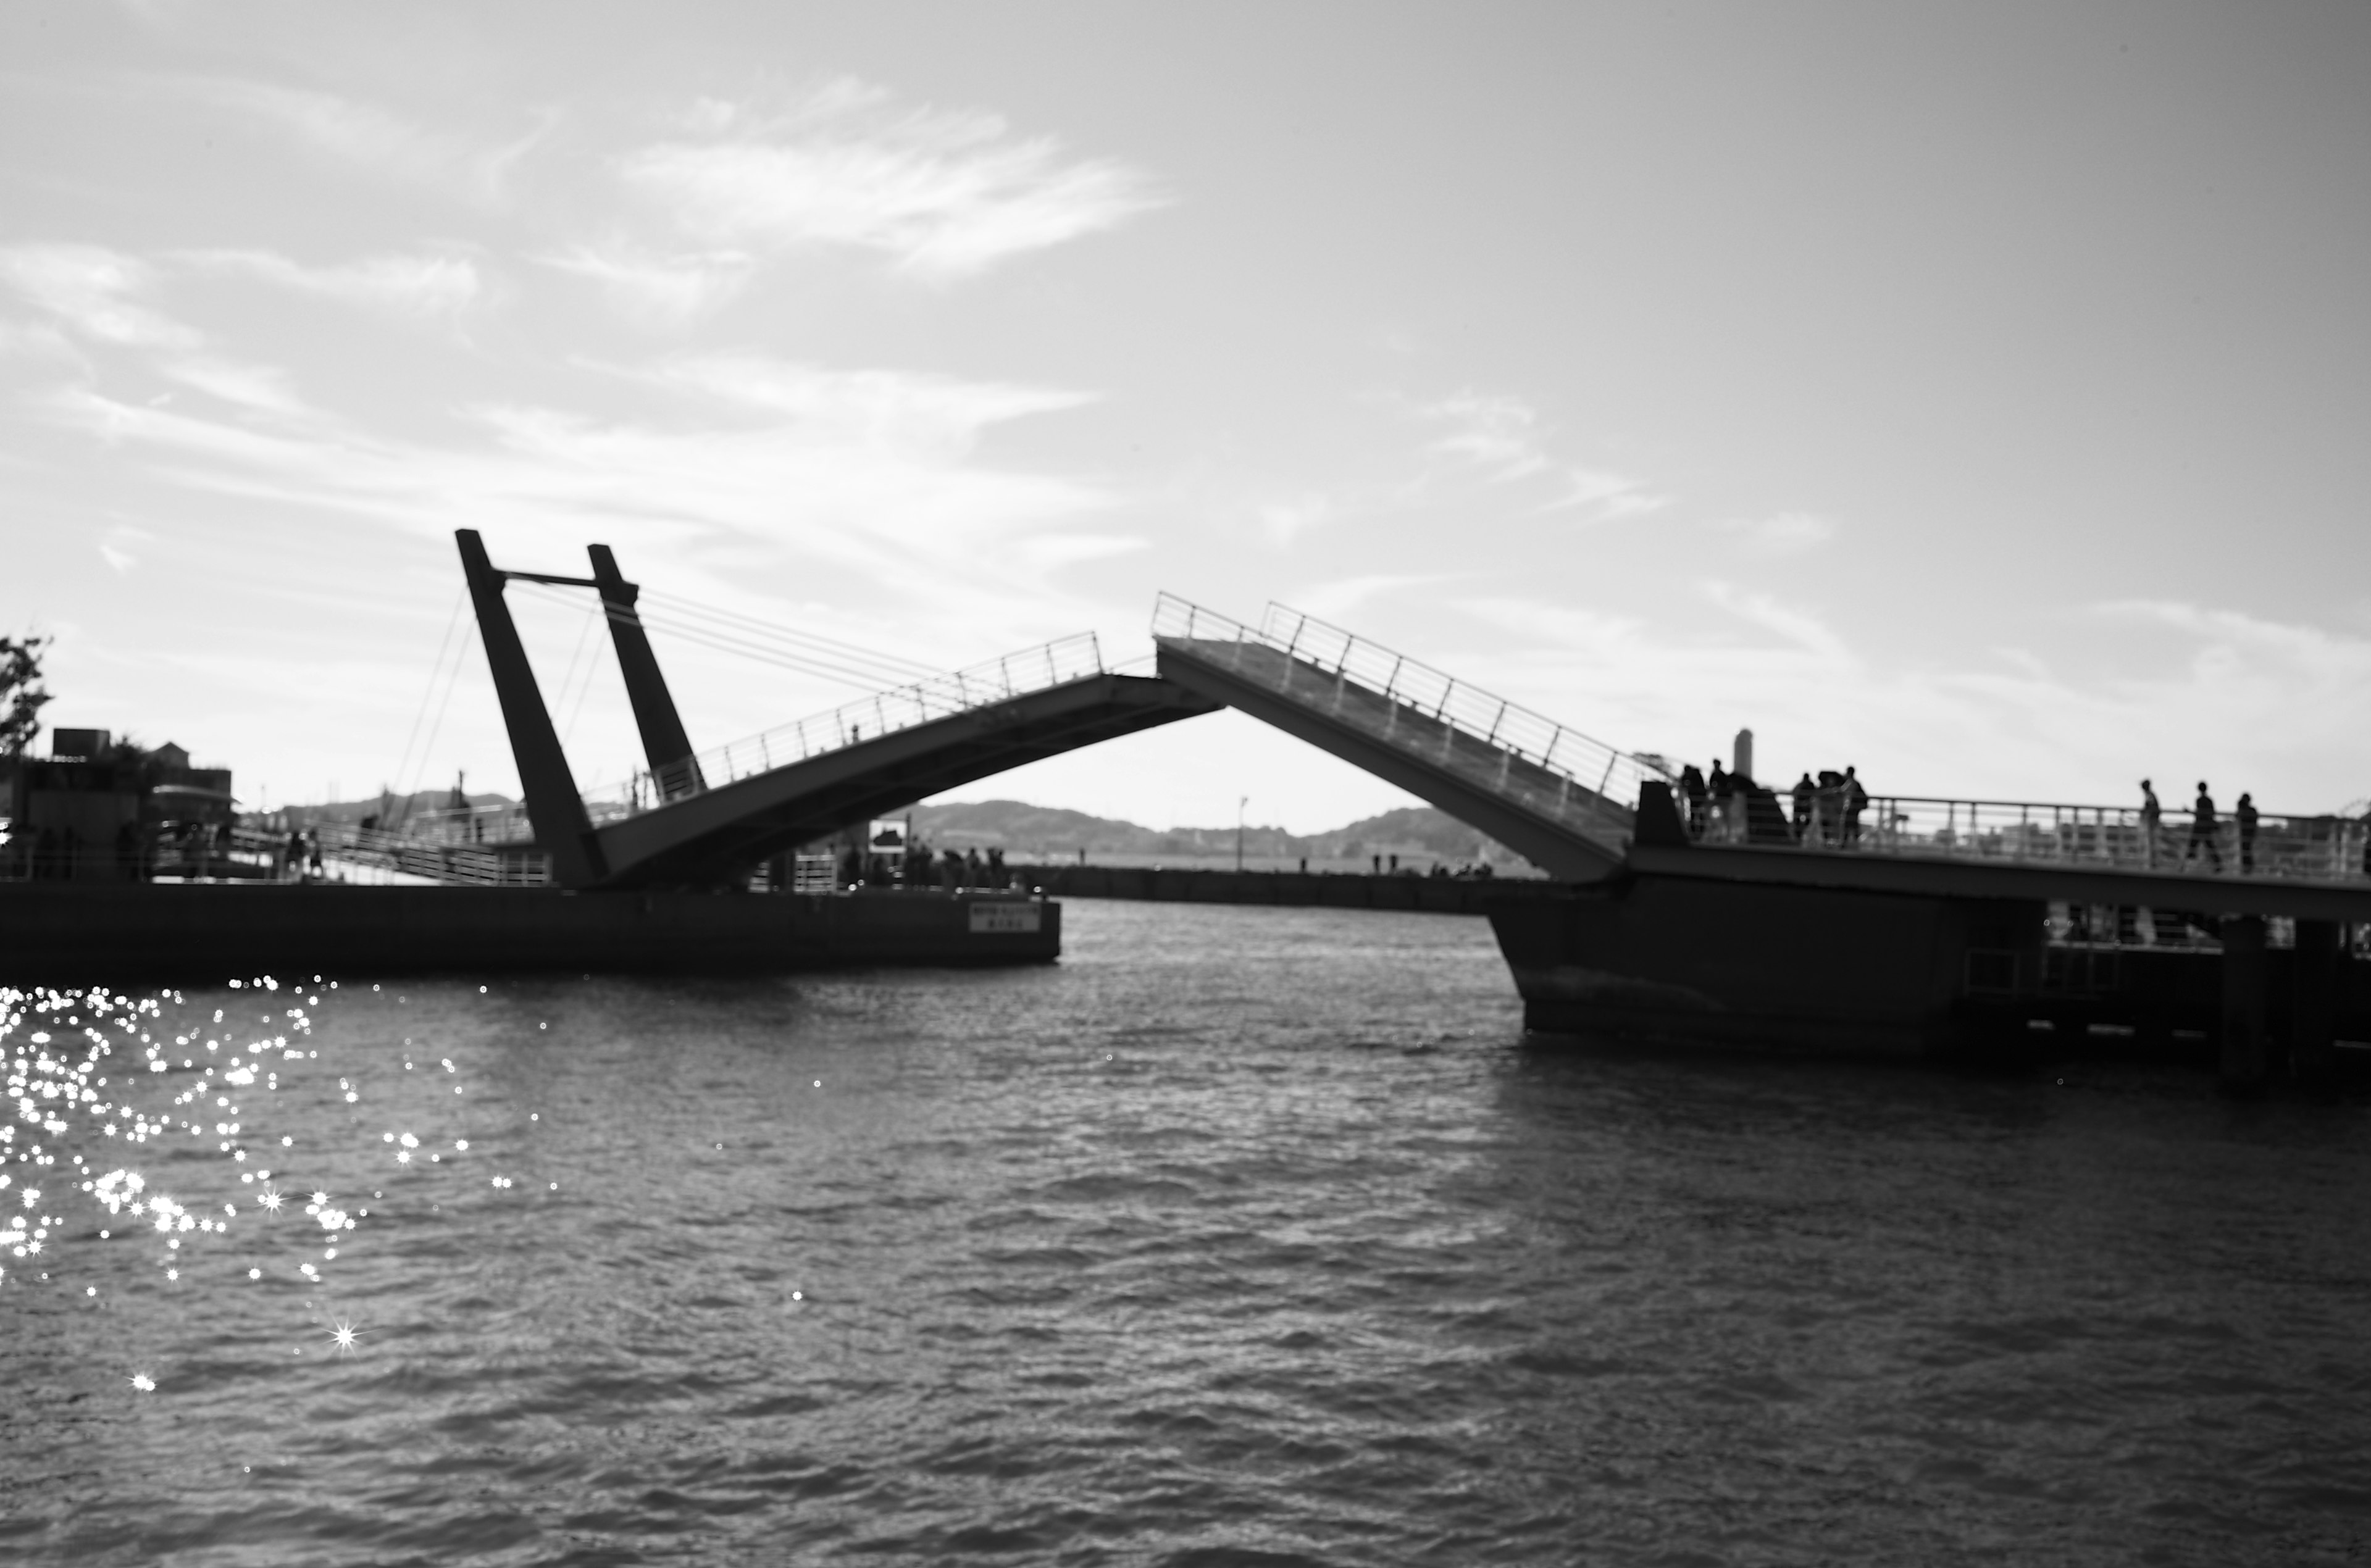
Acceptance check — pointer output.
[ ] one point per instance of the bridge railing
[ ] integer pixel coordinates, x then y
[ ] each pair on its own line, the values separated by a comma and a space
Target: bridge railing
1053, 664
2324, 848
1602, 772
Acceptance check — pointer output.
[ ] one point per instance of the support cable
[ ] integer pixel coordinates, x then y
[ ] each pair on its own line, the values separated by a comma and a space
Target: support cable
429, 690
600, 651
468, 640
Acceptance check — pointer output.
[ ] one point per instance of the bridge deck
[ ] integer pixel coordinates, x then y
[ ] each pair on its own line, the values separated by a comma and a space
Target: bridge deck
1546, 792
721, 831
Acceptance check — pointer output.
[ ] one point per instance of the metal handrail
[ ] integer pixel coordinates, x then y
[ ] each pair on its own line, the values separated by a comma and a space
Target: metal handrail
1049, 665
2320, 847
1527, 757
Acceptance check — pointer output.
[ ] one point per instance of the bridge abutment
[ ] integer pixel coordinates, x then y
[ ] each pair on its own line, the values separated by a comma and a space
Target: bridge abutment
2246, 1056
2315, 975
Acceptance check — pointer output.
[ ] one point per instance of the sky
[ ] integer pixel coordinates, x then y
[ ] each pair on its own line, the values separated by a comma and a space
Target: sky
1980, 396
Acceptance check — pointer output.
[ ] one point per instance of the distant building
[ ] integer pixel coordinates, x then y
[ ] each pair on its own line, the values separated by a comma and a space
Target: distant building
98, 810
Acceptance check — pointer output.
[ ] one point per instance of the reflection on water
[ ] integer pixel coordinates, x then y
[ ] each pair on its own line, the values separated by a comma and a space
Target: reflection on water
1243, 1235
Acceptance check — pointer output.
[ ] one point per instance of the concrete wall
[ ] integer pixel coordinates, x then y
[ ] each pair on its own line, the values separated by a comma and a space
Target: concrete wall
69, 933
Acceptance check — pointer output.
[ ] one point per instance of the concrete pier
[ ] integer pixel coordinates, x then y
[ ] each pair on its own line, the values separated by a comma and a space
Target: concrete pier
2246, 1056
2314, 981
82, 934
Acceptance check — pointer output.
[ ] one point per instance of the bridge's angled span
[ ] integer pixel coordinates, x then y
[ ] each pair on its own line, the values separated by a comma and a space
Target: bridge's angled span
704, 820
710, 835
1549, 792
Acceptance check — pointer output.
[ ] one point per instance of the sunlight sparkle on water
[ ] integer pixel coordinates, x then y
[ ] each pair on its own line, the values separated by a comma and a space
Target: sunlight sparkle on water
83, 1068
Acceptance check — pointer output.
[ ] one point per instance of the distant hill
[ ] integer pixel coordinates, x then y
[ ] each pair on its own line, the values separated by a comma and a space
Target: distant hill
1030, 832
396, 807
1023, 829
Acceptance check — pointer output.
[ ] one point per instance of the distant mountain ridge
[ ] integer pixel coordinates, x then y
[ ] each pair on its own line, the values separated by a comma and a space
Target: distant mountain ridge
1020, 828
1053, 832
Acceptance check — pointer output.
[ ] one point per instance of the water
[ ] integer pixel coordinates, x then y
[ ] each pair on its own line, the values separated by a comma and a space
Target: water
1244, 1236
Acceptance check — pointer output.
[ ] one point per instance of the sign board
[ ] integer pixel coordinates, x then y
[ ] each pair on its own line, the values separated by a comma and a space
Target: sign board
1006, 919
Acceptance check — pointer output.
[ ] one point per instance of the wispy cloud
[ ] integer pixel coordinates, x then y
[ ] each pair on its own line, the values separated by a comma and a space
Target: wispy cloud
1780, 534
1801, 627
659, 289
248, 388
369, 137
944, 194
1330, 600
426, 286
1503, 440
873, 475
2251, 704
93, 291
121, 545
1285, 518
915, 414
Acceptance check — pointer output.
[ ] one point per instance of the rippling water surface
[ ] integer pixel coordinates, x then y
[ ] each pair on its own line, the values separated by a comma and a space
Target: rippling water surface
1243, 1236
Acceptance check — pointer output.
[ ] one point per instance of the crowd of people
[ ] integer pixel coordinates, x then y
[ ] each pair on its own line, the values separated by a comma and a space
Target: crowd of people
1729, 807
916, 867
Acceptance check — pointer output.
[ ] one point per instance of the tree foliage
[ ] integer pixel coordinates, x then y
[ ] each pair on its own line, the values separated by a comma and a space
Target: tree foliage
21, 692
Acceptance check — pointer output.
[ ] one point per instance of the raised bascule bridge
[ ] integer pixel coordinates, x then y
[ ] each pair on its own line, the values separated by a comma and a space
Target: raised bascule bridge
1924, 924
1931, 923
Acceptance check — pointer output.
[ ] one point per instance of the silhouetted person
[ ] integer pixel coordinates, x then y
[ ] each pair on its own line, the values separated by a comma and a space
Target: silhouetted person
2243, 813
2152, 823
295, 853
1692, 789
1806, 793
313, 851
2202, 830
1855, 802
1828, 806
971, 867
1716, 800
1377, 860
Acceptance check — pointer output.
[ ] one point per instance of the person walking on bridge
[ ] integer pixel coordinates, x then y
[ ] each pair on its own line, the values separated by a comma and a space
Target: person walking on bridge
2152, 823
1805, 793
1855, 803
2202, 828
2244, 814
